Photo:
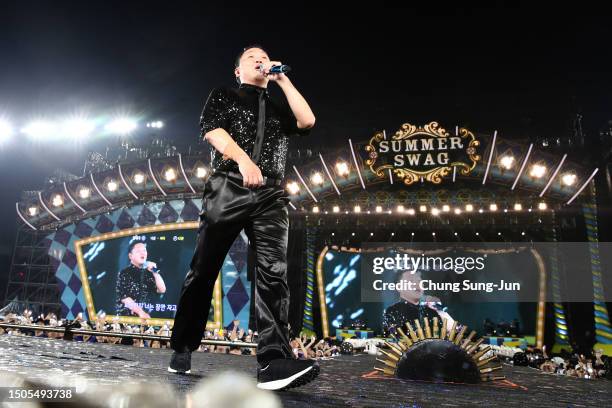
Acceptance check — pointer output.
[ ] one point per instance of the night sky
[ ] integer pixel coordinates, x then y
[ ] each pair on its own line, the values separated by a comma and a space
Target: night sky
522, 71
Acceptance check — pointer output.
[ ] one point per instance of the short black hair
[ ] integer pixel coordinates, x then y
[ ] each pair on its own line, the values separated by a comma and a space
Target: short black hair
245, 49
133, 244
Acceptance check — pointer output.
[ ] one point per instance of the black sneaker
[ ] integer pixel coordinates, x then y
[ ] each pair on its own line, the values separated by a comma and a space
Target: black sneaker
180, 362
281, 374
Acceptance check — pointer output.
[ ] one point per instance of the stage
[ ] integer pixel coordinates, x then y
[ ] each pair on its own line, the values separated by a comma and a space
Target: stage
344, 381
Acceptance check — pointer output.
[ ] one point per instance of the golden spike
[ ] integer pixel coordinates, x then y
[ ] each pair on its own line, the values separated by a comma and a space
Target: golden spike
481, 353
460, 336
488, 370
427, 329
413, 335
468, 340
385, 370
443, 333
474, 346
385, 362
486, 361
391, 356
436, 328
394, 348
490, 378
405, 338
453, 332
419, 330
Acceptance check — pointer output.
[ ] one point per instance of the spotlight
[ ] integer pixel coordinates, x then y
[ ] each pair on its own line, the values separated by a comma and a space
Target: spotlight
568, 179
469, 208
542, 206
480, 210
499, 233
121, 126
433, 234
446, 208
293, 187
435, 211
57, 200
40, 130
357, 209
352, 234
317, 179
412, 234
455, 234
477, 233
139, 178
315, 209
393, 234
507, 162
32, 211
518, 207
371, 234
201, 172
6, 131
493, 207
378, 209
111, 185
342, 168
523, 233
411, 211
156, 125
400, 208
537, 170
77, 128
422, 208
170, 174
84, 192
457, 211
336, 209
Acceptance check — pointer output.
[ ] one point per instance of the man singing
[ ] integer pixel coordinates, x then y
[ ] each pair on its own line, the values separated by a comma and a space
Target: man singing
249, 132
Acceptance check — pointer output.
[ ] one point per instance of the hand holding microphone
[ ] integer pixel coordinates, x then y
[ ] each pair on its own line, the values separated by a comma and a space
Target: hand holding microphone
274, 70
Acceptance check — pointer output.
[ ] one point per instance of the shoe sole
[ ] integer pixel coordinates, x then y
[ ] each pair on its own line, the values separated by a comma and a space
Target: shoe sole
172, 370
297, 380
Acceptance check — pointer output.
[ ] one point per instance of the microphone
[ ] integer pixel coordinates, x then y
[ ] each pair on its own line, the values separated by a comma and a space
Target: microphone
155, 269
276, 69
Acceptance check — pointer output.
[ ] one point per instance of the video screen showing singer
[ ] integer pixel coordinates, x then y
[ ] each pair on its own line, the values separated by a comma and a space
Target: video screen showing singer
249, 132
137, 283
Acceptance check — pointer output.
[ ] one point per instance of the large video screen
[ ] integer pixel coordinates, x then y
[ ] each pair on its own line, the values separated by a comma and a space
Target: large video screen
138, 274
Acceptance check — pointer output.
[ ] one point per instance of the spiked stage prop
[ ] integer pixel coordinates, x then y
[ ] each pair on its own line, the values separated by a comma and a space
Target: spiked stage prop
433, 353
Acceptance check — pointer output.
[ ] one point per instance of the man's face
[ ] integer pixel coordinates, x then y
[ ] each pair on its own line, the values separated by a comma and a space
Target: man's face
138, 255
248, 71
412, 295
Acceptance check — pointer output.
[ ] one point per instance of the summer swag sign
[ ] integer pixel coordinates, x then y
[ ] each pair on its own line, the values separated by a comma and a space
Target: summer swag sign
422, 153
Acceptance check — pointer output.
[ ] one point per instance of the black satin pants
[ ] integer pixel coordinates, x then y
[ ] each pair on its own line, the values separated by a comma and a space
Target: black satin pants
228, 208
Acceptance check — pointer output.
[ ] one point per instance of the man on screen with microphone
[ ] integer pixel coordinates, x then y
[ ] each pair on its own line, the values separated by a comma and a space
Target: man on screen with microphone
249, 132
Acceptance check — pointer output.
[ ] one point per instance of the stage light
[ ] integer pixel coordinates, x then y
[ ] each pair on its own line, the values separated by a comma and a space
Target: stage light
77, 128
315, 209
422, 208
317, 179
201, 172
542, 206
529, 210
455, 234
346, 212
477, 233
336, 209
523, 233
111, 185
411, 211
433, 234
57, 200
40, 129
371, 234
505, 210
518, 207
156, 125
352, 234
507, 162
435, 211
139, 178
499, 233
568, 179
170, 174
378, 209
342, 168
469, 208
32, 211
84, 192
480, 210
333, 233
446, 208
537, 170
412, 234
393, 234
457, 211
6, 131
293, 187
121, 126
357, 209
400, 208
493, 207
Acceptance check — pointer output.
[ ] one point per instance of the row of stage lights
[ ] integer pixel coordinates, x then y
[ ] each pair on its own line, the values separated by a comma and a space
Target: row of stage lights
170, 174
75, 128
435, 211
433, 234
507, 162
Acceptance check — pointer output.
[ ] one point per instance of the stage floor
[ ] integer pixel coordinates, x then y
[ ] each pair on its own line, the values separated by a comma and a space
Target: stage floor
345, 381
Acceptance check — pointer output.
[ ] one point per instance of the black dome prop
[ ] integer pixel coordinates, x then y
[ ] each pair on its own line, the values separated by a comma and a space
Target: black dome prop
438, 355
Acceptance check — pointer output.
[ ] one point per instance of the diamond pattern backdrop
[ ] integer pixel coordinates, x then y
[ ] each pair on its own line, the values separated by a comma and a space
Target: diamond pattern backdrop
235, 286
